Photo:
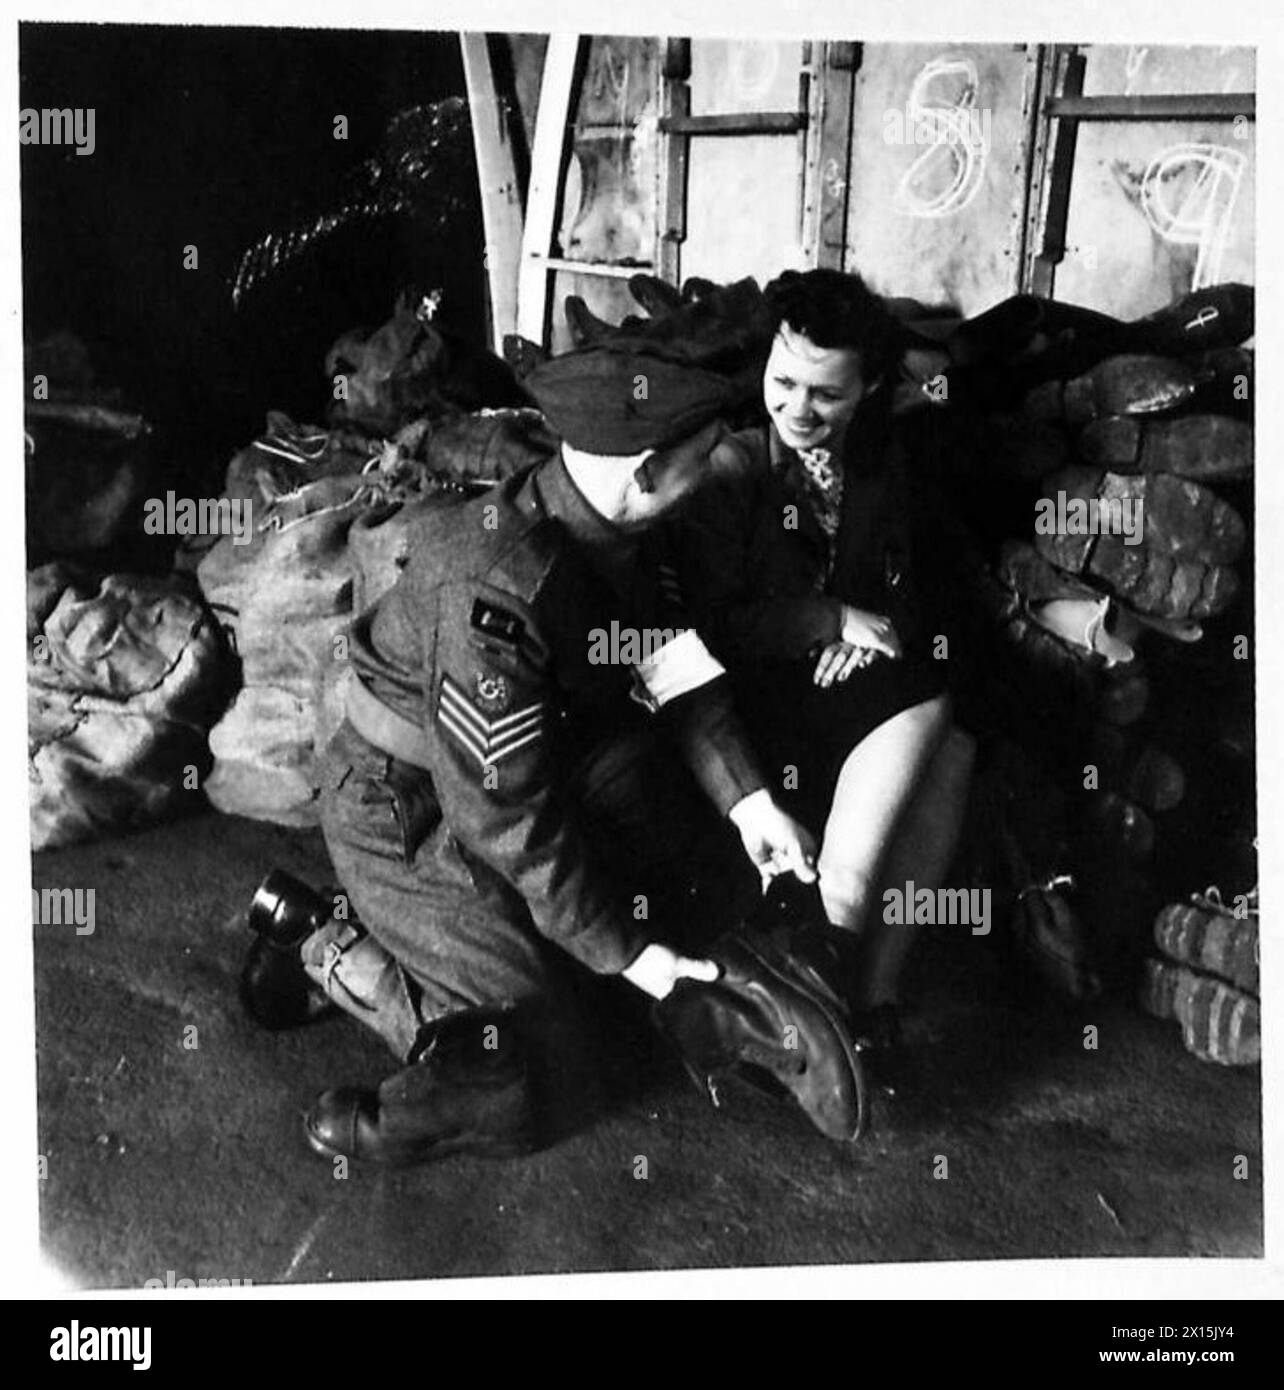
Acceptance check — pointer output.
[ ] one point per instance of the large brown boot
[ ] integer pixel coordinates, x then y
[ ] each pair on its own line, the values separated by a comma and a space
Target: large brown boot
771, 1009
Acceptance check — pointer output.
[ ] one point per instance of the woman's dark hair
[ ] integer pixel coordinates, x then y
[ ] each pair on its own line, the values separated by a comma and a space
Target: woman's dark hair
836, 310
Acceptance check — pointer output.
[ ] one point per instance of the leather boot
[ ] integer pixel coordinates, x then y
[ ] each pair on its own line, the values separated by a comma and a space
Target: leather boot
467, 1091
1226, 381
1051, 943
274, 987
1219, 1023
1180, 566
1218, 316
585, 326
1209, 938
1129, 384
1000, 334
657, 297
1190, 446
1180, 518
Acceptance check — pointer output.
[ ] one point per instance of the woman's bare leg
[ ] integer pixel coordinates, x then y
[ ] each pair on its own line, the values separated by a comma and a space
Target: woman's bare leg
922, 850
876, 784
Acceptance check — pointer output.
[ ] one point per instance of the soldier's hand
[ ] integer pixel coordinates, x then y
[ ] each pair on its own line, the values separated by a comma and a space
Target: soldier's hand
658, 969
775, 842
873, 630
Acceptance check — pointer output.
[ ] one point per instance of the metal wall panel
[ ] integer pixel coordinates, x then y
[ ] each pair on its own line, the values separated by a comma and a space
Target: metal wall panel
743, 213
1158, 208
939, 168
745, 192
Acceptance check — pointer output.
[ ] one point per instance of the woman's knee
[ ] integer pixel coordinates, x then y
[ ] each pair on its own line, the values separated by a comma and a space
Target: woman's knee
845, 890
935, 716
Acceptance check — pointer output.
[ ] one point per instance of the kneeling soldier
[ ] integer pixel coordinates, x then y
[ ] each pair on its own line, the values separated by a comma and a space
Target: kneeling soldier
494, 788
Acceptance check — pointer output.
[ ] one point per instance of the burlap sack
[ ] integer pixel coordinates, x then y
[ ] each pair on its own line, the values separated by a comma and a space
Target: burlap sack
125, 674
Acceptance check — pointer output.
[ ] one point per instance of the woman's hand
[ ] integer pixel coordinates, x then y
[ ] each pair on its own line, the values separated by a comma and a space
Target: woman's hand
865, 637
839, 660
658, 969
873, 630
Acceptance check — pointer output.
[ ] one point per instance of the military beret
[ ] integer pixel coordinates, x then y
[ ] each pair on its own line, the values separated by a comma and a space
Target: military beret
651, 383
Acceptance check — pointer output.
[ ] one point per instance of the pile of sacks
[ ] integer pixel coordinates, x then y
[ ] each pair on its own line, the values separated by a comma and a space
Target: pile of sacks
125, 671
129, 674
124, 676
334, 510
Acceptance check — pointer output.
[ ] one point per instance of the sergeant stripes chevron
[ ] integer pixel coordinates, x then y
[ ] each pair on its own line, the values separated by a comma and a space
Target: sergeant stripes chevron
490, 741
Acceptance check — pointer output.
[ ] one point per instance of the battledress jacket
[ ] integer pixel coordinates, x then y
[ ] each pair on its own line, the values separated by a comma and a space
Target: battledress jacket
483, 666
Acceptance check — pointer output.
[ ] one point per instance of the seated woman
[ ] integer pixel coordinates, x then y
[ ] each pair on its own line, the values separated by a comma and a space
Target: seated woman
799, 580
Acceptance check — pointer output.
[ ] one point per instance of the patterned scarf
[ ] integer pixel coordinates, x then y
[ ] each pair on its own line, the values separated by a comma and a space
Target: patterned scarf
823, 475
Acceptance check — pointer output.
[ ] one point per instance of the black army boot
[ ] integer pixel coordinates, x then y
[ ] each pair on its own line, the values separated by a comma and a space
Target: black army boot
304, 963
275, 989
467, 1090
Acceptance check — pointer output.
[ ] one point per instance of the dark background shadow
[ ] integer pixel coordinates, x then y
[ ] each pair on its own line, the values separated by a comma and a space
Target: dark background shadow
213, 137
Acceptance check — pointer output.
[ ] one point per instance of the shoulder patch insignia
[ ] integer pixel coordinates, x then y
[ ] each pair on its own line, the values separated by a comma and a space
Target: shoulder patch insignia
487, 739
498, 622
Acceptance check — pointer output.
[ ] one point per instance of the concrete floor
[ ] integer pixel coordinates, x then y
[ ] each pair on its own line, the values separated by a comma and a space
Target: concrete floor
165, 1158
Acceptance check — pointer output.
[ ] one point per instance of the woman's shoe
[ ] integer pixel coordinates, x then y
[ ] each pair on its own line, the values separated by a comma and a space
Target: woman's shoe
1050, 941
879, 1035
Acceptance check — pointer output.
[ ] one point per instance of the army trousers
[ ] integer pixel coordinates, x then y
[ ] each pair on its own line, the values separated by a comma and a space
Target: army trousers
440, 931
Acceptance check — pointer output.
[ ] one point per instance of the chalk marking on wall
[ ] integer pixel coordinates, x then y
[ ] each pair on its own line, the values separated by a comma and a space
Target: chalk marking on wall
1132, 66
956, 137
1194, 212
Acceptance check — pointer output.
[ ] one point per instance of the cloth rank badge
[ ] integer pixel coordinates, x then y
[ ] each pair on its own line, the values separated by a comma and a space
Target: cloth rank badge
480, 721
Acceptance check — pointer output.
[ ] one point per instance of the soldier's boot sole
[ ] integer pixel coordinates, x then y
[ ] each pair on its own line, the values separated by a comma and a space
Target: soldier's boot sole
1191, 446
1217, 942
1219, 1023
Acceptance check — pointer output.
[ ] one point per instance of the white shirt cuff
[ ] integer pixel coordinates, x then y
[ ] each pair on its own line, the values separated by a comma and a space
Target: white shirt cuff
681, 665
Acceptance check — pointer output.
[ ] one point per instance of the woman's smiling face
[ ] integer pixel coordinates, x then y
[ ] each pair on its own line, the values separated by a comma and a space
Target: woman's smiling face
811, 393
